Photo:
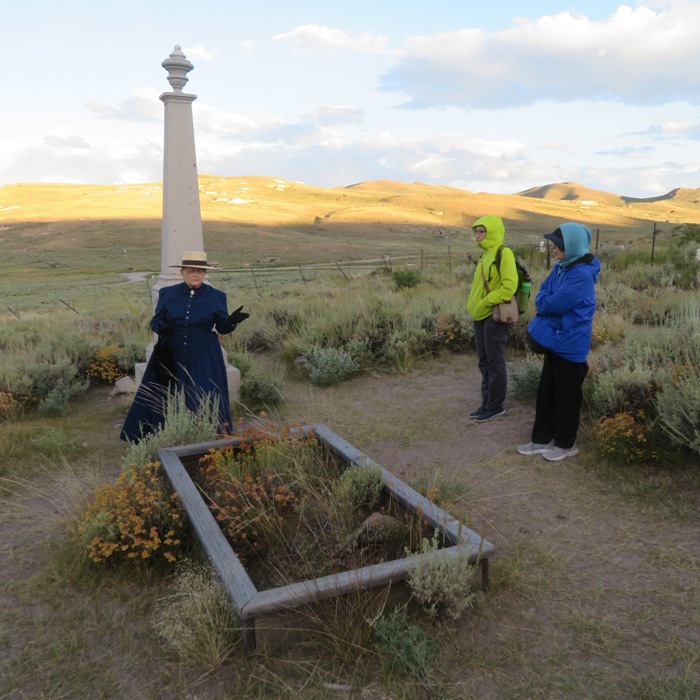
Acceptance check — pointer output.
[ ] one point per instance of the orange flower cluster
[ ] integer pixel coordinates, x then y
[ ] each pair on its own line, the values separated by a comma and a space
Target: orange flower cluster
246, 496
104, 368
134, 518
624, 438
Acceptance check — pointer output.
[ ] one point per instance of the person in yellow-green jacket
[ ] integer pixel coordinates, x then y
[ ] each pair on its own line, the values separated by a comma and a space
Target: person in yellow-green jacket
493, 284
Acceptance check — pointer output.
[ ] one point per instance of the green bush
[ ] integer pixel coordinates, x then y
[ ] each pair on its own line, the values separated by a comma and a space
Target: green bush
405, 279
359, 488
405, 646
259, 392
405, 345
624, 390
526, 378
684, 267
442, 584
678, 406
327, 366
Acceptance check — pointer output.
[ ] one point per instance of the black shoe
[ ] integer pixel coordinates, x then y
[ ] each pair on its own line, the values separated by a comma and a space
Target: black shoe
490, 415
477, 412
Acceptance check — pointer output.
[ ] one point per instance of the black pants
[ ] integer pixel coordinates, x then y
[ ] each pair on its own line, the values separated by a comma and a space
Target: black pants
559, 399
491, 340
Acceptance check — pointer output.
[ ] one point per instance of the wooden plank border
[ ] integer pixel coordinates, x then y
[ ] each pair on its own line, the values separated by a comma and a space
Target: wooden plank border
248, 602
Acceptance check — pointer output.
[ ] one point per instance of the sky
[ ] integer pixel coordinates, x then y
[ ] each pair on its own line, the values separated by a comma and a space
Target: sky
493, 96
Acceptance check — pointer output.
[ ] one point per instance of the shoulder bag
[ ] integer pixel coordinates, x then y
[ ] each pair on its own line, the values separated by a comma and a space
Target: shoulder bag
506, 312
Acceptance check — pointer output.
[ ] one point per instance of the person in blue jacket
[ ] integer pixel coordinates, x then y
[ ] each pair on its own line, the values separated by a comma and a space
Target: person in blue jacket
561, 330
188, 319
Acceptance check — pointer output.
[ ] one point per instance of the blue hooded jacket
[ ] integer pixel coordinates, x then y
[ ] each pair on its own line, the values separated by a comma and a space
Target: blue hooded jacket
566, 300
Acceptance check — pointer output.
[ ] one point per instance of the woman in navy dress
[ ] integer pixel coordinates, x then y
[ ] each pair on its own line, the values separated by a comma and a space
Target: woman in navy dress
188, 319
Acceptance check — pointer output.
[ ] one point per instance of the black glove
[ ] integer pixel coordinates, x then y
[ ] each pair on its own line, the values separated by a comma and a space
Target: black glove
238, 316
163, 330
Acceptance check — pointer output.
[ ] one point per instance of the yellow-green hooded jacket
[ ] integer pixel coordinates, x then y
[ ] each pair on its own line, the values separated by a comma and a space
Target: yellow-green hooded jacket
502, 283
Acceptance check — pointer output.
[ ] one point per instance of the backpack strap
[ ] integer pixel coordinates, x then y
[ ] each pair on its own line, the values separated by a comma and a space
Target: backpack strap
497, 263
499, 255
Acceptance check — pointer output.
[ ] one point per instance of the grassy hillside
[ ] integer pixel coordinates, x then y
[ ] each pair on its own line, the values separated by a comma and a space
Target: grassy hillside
258, 220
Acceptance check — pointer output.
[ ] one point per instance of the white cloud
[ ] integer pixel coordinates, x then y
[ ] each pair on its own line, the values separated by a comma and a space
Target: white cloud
638, 56
67, 141
311, 38
674, 130
195, 53
327, 115
144, 105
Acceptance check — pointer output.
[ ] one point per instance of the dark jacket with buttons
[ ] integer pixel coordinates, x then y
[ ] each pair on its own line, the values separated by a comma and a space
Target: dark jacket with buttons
187, 322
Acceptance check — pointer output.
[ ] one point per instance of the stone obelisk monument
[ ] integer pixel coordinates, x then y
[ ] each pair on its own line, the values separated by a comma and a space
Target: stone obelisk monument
182, 216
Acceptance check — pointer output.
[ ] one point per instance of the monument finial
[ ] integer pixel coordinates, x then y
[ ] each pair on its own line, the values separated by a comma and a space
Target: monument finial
178, 67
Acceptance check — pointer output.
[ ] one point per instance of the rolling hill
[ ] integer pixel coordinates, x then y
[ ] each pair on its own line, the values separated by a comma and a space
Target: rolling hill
250, 219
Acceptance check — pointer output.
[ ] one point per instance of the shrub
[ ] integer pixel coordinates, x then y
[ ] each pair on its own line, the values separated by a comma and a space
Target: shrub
32, 381
624, 390
55, 404
526, 378
359, 488
197, 620
405, 279
404, 645
9, 406
134, 518
624, 438
327, 366
454, 332
684, 266
678, 406
599, 333
405, 345
259, 392
360, 350
442, 584
104, 368
247, 501
181, 427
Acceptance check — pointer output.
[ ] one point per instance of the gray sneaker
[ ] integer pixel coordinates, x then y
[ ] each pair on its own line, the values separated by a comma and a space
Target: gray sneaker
535, 448
557, 453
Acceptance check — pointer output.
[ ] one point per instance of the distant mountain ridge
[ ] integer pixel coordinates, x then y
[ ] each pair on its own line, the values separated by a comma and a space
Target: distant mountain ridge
573, 191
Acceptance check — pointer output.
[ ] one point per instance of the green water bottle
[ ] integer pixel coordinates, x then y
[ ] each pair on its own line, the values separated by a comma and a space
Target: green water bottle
524, 295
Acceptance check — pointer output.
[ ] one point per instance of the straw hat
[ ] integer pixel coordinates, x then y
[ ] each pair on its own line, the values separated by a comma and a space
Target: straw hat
195, 258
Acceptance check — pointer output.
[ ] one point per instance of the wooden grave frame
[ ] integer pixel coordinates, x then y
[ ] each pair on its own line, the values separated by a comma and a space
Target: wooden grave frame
248, 602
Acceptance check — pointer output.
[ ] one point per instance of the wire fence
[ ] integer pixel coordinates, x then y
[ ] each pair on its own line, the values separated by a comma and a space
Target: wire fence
265, 275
